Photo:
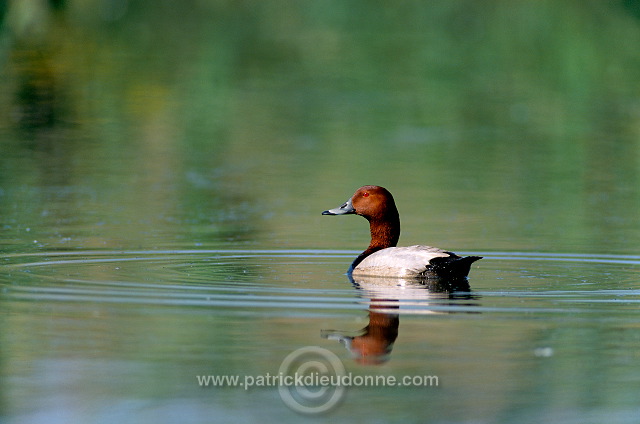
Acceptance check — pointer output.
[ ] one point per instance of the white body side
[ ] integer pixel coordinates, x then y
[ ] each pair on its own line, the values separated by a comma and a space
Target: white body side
404, 262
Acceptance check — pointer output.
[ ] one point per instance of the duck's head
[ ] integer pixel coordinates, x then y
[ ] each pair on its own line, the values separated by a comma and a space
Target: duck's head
369, 201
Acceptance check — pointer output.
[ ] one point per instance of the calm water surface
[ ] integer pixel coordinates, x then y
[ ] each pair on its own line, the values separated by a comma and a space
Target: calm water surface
103, 336
163, 169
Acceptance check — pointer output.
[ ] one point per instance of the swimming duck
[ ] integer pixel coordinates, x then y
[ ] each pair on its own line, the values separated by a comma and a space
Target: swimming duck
382, 257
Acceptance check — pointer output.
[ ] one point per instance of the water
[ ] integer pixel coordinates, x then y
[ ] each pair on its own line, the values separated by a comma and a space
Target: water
161, 191
104, 335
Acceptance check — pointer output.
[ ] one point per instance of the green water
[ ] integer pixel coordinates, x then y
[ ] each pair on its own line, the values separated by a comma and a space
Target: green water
163, 167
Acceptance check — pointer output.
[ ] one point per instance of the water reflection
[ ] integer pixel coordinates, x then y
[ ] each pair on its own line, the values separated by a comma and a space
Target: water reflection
375, 342
38, 102
374, 345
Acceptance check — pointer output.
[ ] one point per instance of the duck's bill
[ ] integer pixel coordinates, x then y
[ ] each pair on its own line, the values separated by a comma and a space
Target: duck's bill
347, 208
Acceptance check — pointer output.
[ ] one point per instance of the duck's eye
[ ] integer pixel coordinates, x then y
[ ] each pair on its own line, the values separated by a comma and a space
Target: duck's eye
365, 194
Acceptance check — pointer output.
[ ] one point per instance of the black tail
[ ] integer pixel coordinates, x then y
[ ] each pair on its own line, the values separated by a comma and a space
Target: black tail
464, 264
453, 267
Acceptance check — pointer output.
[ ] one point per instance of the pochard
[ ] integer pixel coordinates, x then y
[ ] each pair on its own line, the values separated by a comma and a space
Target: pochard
382, 258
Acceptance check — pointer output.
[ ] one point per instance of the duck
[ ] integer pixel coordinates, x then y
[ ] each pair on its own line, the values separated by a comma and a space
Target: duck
383, 258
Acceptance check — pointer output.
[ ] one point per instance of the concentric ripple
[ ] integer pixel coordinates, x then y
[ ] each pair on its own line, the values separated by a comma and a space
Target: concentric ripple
293, 280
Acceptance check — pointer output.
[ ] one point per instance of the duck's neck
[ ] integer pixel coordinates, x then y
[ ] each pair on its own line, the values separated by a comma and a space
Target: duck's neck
385, 232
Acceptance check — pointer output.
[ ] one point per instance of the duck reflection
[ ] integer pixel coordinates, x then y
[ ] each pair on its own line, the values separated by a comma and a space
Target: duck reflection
374, 345
375, 342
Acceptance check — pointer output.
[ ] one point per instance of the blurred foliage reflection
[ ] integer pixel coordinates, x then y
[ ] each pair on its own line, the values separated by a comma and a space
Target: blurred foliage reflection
498, 125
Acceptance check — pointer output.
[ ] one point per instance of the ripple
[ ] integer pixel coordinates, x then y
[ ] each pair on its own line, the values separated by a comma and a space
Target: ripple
117, 255
564, 257
290, 280
188, 278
